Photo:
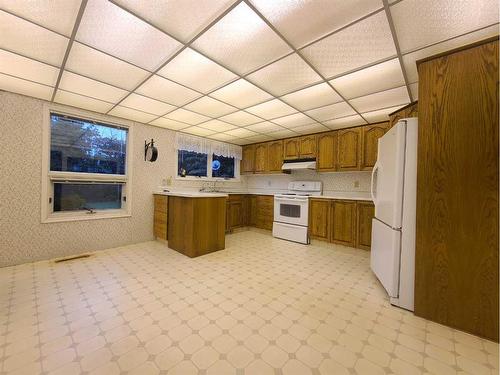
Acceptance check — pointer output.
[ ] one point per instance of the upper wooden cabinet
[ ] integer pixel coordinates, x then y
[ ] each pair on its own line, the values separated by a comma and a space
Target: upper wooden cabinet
348, 151
248, 159
410, 110
275, 156
291, 148
261, 158
369, 144
307, 146
327, 151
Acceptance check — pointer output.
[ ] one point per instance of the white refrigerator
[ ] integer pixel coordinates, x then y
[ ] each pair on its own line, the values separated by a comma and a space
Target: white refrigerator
393, 190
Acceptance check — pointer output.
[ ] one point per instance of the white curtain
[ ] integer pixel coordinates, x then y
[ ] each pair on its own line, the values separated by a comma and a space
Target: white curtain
206, 146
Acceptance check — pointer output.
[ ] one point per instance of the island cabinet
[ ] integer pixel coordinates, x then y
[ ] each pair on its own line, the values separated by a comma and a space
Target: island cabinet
248, 159
326, 160
349, 149
369, 144
160, 216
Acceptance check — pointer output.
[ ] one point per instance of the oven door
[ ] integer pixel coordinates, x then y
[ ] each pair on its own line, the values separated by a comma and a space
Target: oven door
291, 210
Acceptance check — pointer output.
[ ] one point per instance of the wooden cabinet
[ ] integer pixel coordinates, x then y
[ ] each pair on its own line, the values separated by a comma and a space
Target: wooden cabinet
237, 211
327, 152
275, 156
411, 110
348, 151
248, 159
343, 222
291, 148
264, 212
160, 216
369, 144
261, 158
307, 146
365, 211
319, 219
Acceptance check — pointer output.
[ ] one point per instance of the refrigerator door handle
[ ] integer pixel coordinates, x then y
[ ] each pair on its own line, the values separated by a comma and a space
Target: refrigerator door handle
372, 192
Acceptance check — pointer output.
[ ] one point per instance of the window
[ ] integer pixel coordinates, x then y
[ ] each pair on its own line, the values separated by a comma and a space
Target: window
222, 166
190, 163
87, 174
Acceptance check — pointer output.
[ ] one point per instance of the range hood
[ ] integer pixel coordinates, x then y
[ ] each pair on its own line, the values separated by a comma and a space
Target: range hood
290, 165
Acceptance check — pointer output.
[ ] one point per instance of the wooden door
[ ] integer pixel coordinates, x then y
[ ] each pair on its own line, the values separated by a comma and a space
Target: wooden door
307, 146
326, 159
261, 158
456, 260
275, 156
248, 159
343, 222
349, 147
291, 148
319, 219
364, 215
371, 134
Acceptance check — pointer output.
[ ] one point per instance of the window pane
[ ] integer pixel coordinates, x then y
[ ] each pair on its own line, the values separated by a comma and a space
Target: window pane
73, 197
192, 164
79, 145
222, 166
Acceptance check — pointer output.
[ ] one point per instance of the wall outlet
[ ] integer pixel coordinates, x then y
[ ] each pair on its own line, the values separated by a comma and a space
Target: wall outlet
269, 182
356, 184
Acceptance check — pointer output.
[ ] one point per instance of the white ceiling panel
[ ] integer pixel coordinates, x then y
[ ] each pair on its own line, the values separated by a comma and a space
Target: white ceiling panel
196, 71
414, 90
241, 94
380, 114
259, 138
142, 103
241, 118
363, 43
210, 107
132, 114
217, 126
80, 101
311, 128
21, 86
379, 77
282, 133
241, 132
331, 111
288, 74
28, 39
303, 21
169, 124
241, 41
183, 19
344, 122
198, 131
241, 141
98, 65
28, 69
312, 97
88, 87
223, 137
297, 119
264, 127
165, 90
419, 23
384, 99
111, 29
187, 116
56, 15
271, 109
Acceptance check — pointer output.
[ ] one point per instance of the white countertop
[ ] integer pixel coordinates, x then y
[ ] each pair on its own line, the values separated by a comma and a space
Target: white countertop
192, 194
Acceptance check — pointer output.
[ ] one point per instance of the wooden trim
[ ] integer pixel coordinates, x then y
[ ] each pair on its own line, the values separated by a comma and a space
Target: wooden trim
401, 109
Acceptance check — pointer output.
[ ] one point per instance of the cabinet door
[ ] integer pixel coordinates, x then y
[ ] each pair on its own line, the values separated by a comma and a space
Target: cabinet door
291, 148
265, 213
252, 216
236, 214
261, 158
275, 156
307, 146
248, 159
349, 147
344, 222
160, 216
371, 134
319, 219
326, 159
365, 214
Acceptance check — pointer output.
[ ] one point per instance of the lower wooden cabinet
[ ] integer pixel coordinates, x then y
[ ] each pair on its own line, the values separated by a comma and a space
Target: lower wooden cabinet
319, 219
344, 223
249, 210
160, 217
264, 212
364, 215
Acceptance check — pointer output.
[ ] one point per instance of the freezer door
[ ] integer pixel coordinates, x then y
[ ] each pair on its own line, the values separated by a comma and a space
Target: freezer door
388, 176
385, 256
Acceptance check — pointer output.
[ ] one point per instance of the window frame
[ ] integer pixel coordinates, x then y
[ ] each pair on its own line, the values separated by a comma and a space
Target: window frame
209, 177
49, 177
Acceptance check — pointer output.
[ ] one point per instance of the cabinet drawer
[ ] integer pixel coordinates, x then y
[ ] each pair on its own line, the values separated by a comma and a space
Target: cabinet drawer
160, 202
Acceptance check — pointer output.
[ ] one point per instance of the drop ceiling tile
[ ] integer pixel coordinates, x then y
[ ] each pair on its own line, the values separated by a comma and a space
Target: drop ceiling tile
210, 107
282, 134
27, 69
241, 41
363, 43
169, 124
196, 71
144, 104
132, 114
414, 90
288, 74
379, 77
419, 23
409, 60
241, 132
105, 68
217, 126
331, 111
223, 137
198, 131
271, 109
23, 87
167, 91
241, 94
304, 21
312, 97
259, 138
380, 115
111, 29
186, 116
56, 15
384, 99
291, 121
241, 118
311, 128
80, 101
241, 141
30, 40
264, 127
85, 86
345, 122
